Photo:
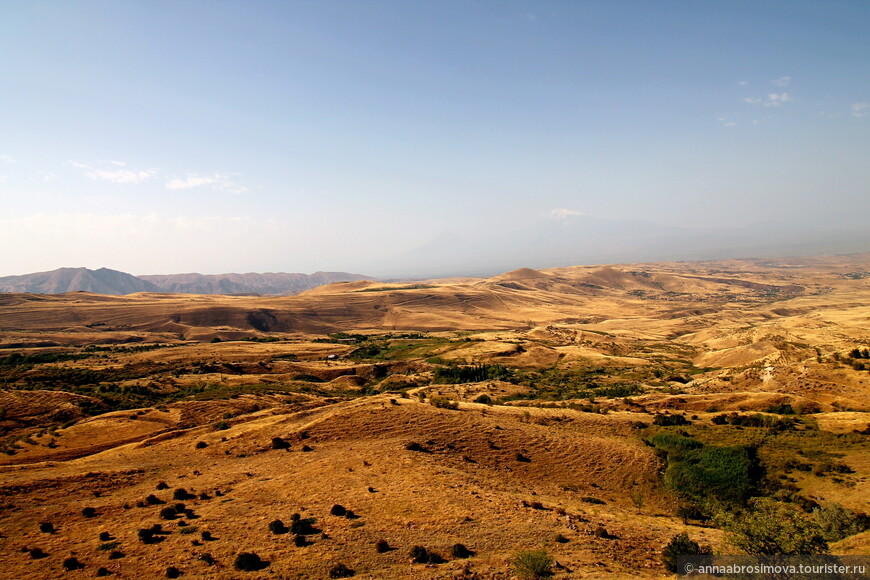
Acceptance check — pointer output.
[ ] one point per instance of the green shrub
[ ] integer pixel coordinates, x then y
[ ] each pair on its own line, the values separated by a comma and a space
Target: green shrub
532, 564
484, 399
769, 527
837, 522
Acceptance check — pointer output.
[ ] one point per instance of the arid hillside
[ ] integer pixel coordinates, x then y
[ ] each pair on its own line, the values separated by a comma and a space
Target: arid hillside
591, 412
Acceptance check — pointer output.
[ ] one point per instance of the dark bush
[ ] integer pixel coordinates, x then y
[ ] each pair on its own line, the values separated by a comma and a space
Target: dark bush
46, 527
670, 420
182, 494
148, 535
522, 458
340, 571
382, 546
483, 399
103, 572
153, 500
89, 512
600, 532
680, 545
206, 536
299, 541
561, 539
279, 443
303, 527
168, 513
278, 527
419, 555
36, 553
116, 554
173, 572
249, 562
105, 536
691, 512
460, 551
201, 445
414, 446
162, 485
72, 563
207, 558
338, 510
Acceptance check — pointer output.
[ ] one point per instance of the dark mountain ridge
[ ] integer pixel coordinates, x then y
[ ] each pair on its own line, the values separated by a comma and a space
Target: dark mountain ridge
107, 281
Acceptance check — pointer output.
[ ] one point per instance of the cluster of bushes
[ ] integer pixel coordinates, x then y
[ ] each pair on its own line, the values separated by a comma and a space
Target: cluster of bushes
471, 373
766, 527
667, 420
727, 474
756, 420
443, 403
29, 360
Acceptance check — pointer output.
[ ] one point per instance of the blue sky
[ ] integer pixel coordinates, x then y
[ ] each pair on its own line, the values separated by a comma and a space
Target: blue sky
159, 137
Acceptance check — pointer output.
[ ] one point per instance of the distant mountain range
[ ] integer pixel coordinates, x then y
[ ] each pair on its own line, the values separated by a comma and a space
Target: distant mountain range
106, 281
569, 240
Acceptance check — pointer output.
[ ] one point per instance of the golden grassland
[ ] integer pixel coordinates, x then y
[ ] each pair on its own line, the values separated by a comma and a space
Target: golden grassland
105, 397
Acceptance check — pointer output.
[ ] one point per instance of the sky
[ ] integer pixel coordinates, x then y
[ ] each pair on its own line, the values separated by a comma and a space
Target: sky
222, 136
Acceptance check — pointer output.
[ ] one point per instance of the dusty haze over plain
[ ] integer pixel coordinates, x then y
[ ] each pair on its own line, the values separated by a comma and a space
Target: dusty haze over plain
402, 138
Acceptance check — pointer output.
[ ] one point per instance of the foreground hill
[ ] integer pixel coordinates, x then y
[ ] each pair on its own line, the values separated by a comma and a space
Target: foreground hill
106, 281
590, 412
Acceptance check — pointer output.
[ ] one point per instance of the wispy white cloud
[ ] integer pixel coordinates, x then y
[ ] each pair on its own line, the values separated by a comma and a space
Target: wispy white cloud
561, 213
218, 181
7, 159
781, 81
120, 174
772, 99
860, 109
3, 178
189, 182
743, 83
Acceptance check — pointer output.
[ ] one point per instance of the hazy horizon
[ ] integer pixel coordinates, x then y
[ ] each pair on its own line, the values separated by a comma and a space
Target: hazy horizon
370, 137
